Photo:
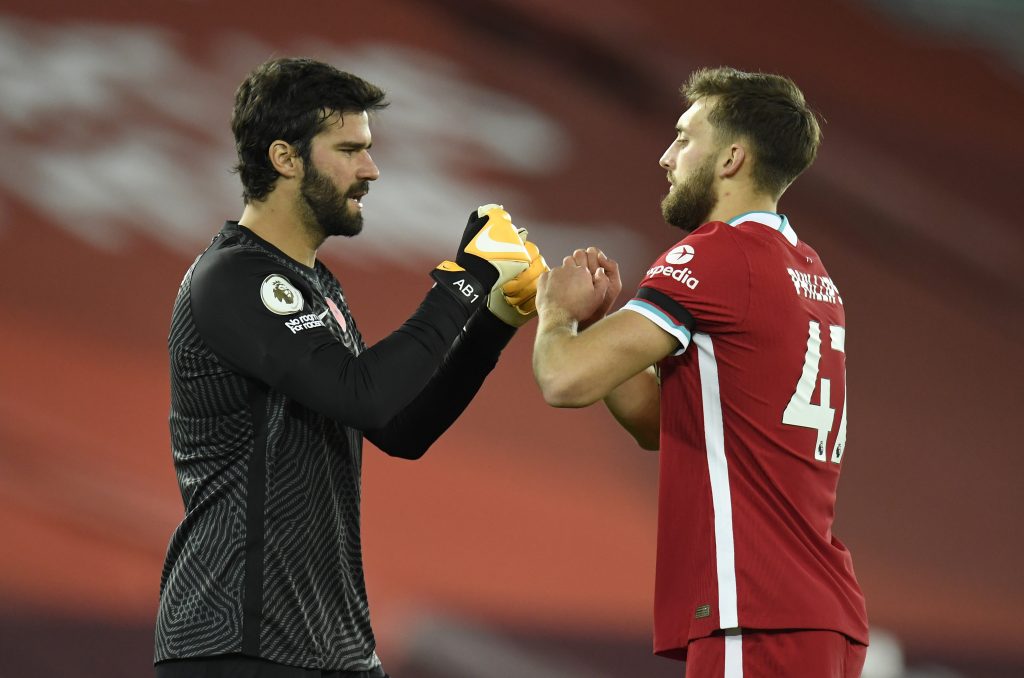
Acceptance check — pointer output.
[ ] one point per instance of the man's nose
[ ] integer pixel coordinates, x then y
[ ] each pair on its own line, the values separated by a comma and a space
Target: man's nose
667, 160
369, 171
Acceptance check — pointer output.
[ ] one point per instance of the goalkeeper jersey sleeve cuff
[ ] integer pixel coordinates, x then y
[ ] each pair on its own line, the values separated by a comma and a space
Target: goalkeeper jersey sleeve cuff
487, 330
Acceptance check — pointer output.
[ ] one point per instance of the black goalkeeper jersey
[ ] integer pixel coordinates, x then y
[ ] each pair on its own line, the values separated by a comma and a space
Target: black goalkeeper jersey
272, 391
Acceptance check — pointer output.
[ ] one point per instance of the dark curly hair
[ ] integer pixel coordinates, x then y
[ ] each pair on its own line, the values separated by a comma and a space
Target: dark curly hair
767, 110
291, 100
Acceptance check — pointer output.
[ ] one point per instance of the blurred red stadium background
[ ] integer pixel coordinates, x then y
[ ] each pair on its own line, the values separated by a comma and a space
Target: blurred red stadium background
523, 544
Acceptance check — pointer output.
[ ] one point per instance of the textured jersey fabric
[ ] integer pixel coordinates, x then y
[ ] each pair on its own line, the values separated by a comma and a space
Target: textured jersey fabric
753, 433
272, 388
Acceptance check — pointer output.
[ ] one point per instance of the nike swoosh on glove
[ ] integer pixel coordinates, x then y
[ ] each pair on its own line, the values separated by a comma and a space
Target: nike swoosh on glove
491, 252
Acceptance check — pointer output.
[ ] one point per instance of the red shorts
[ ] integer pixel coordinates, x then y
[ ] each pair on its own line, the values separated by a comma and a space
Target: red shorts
774, 654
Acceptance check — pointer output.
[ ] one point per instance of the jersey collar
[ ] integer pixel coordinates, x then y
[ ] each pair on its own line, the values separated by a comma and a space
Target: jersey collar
776, 222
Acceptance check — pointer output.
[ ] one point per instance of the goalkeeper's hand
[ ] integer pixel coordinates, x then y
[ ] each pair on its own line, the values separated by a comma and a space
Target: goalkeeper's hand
491, 253
514, 302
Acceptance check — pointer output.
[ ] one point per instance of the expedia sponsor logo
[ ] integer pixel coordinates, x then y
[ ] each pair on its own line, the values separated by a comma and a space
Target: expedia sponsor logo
680, 255
680, 275
303, 322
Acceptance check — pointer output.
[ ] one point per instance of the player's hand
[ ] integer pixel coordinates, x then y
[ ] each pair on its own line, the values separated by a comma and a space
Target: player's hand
491, 251
572, 290
491, 248
595, 260
514, 302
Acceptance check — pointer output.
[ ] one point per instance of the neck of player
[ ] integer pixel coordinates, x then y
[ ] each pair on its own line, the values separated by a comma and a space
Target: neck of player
275, 220
732, 203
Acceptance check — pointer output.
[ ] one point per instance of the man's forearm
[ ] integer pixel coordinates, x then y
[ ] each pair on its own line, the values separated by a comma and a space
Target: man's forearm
557, 361
575, 370
636, 405
472, 357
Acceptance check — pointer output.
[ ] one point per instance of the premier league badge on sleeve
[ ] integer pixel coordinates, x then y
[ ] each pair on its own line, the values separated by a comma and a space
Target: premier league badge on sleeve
280, 296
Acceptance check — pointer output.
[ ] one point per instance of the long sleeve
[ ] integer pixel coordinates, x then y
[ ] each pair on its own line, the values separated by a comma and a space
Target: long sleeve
428, 416
282, 342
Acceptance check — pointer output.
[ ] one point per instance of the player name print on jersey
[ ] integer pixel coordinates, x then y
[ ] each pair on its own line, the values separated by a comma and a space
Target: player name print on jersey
815, 287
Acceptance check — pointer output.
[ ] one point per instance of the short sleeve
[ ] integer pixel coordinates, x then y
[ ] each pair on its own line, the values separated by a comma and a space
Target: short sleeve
702, 284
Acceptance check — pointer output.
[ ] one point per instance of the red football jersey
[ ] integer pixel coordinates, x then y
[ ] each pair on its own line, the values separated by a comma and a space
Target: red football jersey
753, 433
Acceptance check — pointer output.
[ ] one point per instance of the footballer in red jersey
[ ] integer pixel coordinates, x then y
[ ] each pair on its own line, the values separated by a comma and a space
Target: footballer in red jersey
729, 359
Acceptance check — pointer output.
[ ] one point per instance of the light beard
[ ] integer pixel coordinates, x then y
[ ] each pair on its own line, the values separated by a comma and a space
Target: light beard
689, 204
325, 208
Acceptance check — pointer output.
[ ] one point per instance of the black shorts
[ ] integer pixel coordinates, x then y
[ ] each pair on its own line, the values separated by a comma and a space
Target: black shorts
240, 666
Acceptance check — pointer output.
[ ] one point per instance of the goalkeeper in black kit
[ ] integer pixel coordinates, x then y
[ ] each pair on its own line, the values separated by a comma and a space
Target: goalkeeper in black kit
273, 389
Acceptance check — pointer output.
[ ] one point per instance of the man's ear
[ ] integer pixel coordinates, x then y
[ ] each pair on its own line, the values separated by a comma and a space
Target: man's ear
284, 159
732, 161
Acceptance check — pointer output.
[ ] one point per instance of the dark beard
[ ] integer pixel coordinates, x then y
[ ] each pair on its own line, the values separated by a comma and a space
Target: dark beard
327, 205
689, 204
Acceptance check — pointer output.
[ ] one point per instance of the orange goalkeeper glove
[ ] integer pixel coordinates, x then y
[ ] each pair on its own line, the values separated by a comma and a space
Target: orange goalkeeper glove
514, 302
491, 252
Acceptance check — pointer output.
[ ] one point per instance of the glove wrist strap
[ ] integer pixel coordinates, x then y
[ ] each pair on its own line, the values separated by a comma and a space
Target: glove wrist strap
461, 284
